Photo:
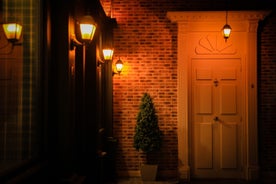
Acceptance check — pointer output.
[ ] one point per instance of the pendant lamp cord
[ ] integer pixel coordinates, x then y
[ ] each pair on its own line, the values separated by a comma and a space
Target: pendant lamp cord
226, 12
226, 17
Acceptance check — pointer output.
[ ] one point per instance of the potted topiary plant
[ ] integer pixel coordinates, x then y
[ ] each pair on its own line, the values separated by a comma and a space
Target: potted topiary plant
148, 136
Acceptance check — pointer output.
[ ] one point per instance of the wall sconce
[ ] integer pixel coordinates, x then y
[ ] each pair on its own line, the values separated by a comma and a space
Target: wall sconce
119, 67
87, 28
226, 30
87, 31
12, 32
107, 40
108, 54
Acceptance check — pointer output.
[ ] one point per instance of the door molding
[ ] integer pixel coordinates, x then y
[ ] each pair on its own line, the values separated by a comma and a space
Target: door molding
193, 28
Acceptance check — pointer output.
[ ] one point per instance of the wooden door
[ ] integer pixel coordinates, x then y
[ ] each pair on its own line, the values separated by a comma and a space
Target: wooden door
217, 123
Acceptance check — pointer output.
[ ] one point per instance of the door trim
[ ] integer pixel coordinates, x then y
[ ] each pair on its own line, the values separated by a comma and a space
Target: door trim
190, 24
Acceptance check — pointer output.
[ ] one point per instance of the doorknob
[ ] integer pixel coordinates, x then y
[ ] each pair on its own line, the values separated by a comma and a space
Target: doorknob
216, 118
216, 82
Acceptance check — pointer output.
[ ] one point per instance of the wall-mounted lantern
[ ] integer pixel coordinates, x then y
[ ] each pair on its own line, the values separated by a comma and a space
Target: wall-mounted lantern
118, 67
107, 40
13, 32
87, 27
108, 54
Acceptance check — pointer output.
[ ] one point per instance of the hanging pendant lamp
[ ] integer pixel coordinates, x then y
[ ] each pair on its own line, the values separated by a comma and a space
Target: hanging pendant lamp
226, 30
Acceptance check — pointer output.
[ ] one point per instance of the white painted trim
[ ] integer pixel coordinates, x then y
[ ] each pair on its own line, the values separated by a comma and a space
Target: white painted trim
246, 23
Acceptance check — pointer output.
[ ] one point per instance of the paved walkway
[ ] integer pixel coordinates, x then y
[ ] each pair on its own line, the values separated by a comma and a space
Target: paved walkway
139, 181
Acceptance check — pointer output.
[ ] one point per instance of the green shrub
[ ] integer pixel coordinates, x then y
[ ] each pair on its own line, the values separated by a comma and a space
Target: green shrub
147, 137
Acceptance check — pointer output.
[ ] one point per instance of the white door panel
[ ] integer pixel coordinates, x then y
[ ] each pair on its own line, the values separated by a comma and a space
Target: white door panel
216, 118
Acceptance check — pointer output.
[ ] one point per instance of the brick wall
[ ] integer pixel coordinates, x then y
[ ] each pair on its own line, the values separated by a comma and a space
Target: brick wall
144, 43
145, 40
267, 94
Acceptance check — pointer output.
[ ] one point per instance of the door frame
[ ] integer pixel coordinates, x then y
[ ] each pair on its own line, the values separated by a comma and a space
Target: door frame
205, 22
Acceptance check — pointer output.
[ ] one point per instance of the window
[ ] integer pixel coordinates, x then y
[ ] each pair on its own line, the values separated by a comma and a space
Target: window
20, 127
